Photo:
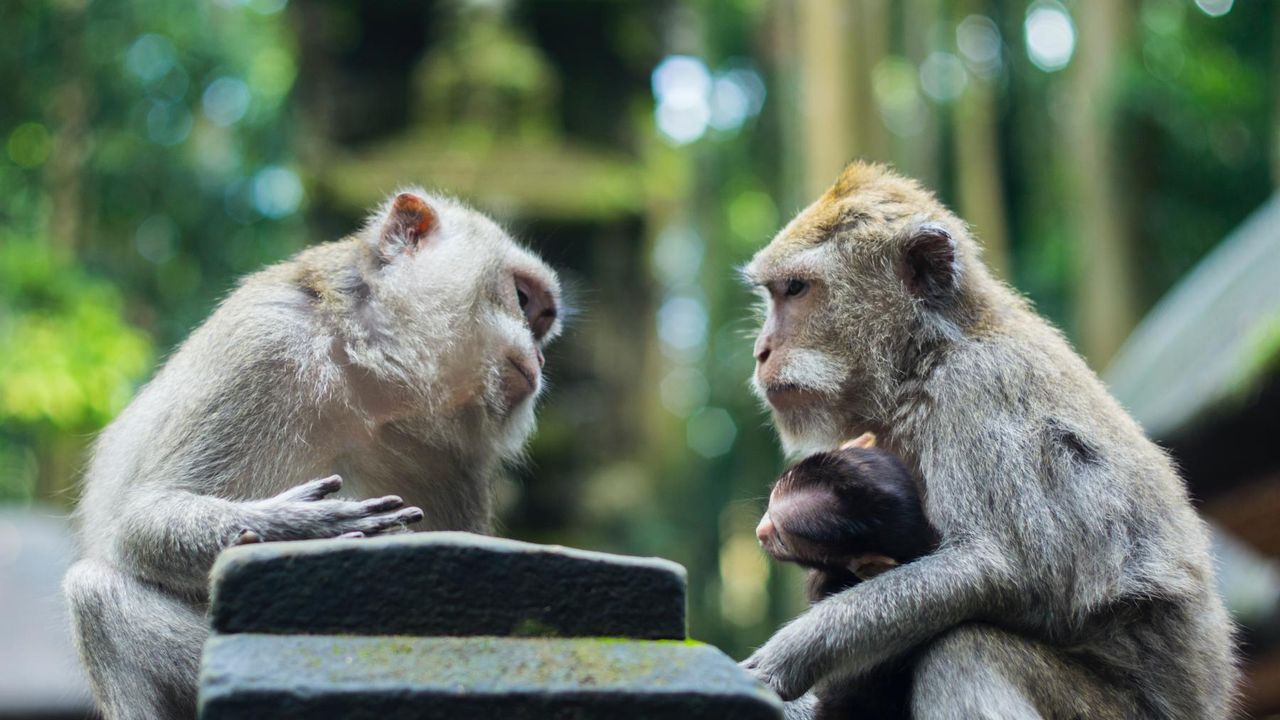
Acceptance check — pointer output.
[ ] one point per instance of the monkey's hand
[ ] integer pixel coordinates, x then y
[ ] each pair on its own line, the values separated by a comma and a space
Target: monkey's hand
306, 512
780, 664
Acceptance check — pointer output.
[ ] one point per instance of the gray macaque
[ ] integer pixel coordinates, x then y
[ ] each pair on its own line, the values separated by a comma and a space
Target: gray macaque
1073, 578
400, 366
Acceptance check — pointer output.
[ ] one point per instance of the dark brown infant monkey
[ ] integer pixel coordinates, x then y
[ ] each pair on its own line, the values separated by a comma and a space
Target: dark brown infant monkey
847, 516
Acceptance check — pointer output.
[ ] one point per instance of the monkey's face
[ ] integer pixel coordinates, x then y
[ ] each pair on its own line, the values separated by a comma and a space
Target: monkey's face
478, 307
849, 287
524, 316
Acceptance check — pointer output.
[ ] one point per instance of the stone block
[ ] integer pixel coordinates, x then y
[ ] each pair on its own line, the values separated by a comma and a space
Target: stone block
281, 677
445, 583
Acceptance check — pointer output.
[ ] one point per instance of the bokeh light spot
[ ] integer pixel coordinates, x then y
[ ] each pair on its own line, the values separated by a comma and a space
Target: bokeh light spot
1050, 35
150, 58
978, 40
684, 391
753, 216
894, 80
677, 255
272, 72
168, 123
1215, 8
682, 322
277, 191
943, 77
156, 239
711, 432
225, 101
682, 86
29, 145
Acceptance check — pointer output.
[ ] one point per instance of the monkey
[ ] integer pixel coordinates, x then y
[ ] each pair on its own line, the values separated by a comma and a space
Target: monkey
846, 515
849, 515
1072, 576
399, 367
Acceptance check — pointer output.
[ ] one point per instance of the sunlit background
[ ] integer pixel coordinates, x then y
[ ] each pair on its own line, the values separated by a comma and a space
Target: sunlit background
1109, 154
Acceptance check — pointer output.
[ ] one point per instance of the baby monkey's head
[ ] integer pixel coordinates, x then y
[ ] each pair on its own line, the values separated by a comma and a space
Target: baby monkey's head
854, 511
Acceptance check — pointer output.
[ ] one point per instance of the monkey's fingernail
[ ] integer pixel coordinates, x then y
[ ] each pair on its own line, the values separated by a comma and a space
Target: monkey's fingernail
247, 537
412, 515
350, 535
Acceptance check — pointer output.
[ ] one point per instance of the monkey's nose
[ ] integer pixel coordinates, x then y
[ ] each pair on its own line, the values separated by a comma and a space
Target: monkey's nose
763, 354
765, 531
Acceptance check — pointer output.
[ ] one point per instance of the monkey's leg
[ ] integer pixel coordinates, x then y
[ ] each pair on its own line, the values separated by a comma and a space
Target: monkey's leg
978, 671
140, 644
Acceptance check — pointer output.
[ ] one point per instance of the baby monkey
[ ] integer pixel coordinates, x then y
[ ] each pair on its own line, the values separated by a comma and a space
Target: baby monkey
848, 516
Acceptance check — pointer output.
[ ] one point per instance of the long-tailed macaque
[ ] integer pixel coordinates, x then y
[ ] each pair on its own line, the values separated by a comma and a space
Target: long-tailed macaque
1073, 578
849, 515
398, 366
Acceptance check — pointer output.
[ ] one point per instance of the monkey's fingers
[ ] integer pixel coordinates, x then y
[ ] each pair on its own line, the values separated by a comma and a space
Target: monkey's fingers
247, 537
314, 490
352, 534
379, 523
865, 440
383, 504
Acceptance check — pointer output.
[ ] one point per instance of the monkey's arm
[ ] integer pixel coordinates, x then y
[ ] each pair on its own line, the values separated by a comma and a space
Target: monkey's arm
802, 708
174, 537
860, 628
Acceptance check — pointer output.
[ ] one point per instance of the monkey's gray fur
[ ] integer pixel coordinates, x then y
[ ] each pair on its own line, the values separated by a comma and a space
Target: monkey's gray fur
405, 358
1074, 579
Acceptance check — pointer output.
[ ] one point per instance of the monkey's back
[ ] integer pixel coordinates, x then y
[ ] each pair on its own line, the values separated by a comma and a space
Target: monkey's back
1098, 517
226, 415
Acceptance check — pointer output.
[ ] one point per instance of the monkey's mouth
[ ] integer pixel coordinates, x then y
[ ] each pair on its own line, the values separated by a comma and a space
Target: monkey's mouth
783, 396
780, 389
528, 375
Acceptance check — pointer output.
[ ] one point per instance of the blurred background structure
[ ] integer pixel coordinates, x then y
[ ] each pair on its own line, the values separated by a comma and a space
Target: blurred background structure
1109, 154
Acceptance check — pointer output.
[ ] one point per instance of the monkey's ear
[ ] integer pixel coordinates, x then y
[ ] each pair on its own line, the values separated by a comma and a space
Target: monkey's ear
409, 220
865, 440
929, 263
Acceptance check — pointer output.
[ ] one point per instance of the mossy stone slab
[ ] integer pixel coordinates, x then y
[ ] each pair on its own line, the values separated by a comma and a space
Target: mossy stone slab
444, 583
280, 677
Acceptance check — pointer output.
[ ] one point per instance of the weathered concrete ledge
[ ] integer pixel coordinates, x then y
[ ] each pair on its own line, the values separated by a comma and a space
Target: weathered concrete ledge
260, 677
445, 583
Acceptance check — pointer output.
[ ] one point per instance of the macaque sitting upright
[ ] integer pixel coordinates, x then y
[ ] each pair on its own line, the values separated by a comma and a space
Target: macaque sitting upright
848, 516
364, 385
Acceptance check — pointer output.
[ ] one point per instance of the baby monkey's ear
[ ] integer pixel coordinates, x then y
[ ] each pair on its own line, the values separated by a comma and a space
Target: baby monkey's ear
865, 440
408, 222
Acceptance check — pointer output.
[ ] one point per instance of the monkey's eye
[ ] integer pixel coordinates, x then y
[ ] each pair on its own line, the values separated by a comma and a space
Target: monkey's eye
523, 298
796, 288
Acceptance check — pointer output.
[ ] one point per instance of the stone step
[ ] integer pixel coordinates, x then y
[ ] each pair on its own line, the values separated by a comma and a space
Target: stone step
281, 677
444, 583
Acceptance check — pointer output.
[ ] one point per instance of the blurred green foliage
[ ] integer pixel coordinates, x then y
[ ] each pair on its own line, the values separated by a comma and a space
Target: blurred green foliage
146, 142
71, 361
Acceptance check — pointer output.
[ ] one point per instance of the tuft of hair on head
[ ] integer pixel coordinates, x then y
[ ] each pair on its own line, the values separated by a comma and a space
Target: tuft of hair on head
858, 174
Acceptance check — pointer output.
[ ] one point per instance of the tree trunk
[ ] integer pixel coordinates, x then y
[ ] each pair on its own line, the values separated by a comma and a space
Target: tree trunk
1105, 301
823, 31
